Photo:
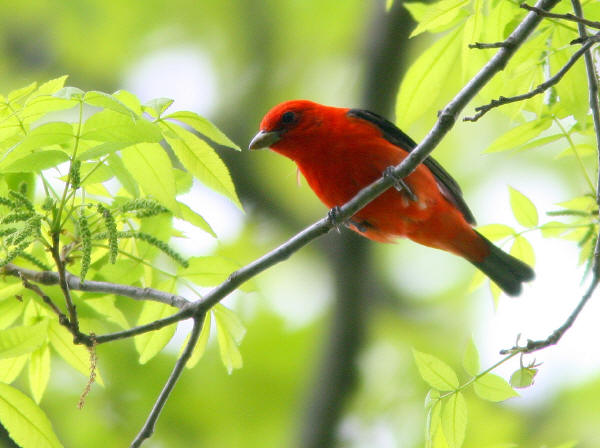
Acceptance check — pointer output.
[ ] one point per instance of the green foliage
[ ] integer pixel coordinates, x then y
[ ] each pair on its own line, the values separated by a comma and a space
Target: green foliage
102, 137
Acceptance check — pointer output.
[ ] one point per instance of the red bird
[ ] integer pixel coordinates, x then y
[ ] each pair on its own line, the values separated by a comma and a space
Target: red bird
340, 151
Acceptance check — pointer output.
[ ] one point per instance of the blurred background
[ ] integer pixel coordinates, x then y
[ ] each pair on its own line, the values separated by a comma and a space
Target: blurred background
327, 354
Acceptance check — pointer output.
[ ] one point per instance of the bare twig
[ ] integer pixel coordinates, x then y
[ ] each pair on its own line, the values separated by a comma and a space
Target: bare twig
75, 284
595, 107
533, 346
482, 110
593, 98
578, 18
148, 428
62, 281
62, 319
482, 45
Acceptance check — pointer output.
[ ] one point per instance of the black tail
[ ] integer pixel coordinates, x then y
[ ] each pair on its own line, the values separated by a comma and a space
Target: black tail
505, 270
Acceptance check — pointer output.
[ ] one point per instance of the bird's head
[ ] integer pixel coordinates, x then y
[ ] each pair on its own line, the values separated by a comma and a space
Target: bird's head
287, 124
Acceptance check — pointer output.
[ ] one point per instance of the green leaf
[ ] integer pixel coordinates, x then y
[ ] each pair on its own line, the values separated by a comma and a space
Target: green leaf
70, 93
434, 419
123, 175
157, 106
10, 368
230, 331
523, 250
553, 229
493, 388
39, 371
36, 162
201, 160
438, 15
471, 358
454, 420
18, 94
204, 127
209, 270
496, 232
426, 78
150, 166
523, 377
43, 104
106, 101
200, 347
11, 291
24, 339
129, 100
10, 310
106, 306
435, 372
48, 134
523, 209
52, 86
519, 135
77, 356
189, 215
110, 126
25, 422
148, 345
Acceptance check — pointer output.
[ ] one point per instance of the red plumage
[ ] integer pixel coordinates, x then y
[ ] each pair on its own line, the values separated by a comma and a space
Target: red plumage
340, 151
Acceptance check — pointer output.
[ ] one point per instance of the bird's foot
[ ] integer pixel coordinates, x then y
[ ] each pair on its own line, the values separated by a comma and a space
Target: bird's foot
333, 216
399, 184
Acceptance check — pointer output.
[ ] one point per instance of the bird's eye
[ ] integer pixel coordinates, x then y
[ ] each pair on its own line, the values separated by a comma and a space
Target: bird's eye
288, 117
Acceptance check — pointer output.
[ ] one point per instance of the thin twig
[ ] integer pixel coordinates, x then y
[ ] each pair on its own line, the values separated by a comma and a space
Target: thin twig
62, 281
482, 45
533, 346
595, 107
570, 17
148, 428
62, 318
75, 284
482, 110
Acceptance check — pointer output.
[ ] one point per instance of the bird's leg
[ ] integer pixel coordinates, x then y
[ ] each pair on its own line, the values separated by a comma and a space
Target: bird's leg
333, 216
399, 183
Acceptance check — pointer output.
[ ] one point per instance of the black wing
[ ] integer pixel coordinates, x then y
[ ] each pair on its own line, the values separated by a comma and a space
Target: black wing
446, 183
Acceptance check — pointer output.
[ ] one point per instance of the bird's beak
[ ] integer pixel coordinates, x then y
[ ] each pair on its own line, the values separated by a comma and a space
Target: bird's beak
264, 139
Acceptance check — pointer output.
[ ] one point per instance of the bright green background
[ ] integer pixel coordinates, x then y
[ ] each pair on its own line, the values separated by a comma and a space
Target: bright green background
263, 52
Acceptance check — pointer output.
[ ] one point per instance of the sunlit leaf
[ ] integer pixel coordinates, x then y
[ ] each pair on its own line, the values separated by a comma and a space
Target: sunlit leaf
107, 101
434, 419
157, 106
523, 209
425, 79
523, 250
39, 371
189, 215
471, 358
202, 161
496, 232
523, 377
150, 166
209, 270
454, 420
553, 229
519, 135
77, 356
230, 331
204, 127
17, 341
435, 372
437, 16
36, 162
10, 368
149, 344
200, 347
25, 422
9, 312
19, 94
493, 388
110, 126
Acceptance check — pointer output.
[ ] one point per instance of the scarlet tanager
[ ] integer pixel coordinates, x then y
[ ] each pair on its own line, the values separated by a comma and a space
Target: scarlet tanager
339, 151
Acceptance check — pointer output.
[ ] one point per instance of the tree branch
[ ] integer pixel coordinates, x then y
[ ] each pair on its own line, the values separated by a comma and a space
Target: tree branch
482, 110
533, 346
148, 428
573, 18
62, 281
74, 283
